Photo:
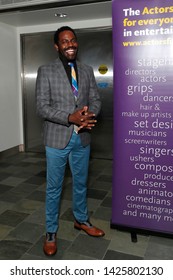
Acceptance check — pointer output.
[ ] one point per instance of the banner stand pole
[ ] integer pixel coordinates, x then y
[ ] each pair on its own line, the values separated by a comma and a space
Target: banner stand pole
134, 237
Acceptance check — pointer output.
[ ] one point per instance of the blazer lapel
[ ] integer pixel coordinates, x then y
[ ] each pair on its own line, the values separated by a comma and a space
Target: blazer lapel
80, 77
62, 73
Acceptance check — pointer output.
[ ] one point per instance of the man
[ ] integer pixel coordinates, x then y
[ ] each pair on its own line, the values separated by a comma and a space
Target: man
69, 103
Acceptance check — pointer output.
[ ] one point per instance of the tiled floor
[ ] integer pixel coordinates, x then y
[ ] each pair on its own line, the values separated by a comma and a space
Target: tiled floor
22, 195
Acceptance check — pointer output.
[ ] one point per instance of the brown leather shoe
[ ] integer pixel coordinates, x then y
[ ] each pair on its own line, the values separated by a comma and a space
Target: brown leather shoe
89, 229
50, 246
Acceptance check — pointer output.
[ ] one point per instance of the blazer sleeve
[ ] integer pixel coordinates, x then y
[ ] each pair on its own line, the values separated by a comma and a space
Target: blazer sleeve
94, 95
44, 107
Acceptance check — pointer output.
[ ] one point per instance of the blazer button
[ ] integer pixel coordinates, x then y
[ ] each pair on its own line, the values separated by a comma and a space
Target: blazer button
76, 106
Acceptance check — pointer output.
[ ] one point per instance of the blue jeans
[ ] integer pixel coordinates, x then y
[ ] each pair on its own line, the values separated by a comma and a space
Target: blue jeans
78, 157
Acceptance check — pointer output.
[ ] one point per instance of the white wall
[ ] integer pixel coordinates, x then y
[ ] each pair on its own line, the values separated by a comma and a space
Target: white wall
11, 95
10, 101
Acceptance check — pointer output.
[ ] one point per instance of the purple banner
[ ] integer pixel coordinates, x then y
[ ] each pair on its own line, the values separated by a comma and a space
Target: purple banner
143, 115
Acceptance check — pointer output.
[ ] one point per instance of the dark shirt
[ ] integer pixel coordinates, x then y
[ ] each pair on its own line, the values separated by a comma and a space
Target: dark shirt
67, 67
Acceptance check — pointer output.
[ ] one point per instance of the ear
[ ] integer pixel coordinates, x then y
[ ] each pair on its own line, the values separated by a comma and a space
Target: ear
56, 47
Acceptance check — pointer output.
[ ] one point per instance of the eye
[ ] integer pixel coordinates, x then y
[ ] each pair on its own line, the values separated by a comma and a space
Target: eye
74, 40
64, 42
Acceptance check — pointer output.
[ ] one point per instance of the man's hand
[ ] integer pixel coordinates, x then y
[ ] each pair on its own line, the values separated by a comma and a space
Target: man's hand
83, 118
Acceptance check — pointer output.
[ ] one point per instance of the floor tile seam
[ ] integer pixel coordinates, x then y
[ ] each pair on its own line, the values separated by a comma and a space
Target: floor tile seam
13, 216
109, 196
33, 222
11, 202
101, 181
148, 244
127, 253
32, 185
5, 165
104, 207
14, 259
11, 185
25, 195
32, 246
10, 171
94, 212
91, 181
70, 245
106, 250
37, 199
81, 254
23, 192
9, 189
97, 188
29, 213
21, 240
18, 223
34, 177
9, 206
25, 212
95, 195
13, 239
4, 238
98, 167
93, 174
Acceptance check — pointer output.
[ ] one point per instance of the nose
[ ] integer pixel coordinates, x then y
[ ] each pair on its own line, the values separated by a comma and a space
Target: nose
70, 43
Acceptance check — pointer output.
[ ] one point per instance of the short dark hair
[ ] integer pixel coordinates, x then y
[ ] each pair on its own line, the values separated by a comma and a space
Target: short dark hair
61, 29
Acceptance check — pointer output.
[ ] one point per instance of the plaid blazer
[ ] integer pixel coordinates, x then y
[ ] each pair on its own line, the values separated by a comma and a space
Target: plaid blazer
55, 101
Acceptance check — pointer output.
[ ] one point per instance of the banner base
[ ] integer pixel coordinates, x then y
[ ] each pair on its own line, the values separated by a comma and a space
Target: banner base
134, 231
